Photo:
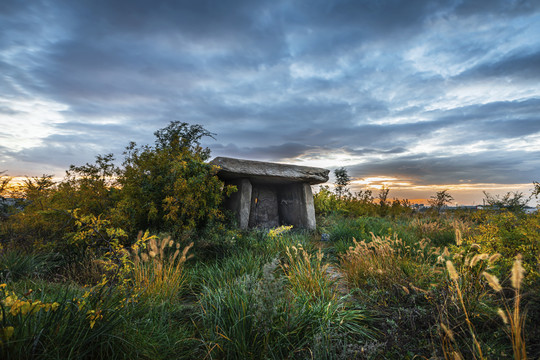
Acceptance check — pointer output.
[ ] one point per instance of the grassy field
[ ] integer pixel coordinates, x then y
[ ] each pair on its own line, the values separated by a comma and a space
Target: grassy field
415, 286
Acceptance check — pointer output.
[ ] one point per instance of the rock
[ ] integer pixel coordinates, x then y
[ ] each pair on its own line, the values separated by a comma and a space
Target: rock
270, 194
269, 172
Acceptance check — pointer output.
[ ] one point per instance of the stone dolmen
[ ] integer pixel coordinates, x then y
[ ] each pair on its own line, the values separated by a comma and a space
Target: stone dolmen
270, 194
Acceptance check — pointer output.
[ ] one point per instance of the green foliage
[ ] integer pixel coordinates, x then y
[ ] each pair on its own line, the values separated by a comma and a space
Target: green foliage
252, 318
385, 262
361, 203
536, 189
45, 220
247, 294
510, 234
342, 181
80, 327
307, 274
90, 188
383, 200
326, 201
4, 189
169, 187
440, 200
513, 201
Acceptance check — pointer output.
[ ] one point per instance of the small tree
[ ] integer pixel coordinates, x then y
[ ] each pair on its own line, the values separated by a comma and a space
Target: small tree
383, 200
513, 201
342, 181
440, 200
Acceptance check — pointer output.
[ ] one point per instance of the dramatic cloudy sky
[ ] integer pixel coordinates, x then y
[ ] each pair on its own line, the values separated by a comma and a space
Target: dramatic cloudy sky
419, 95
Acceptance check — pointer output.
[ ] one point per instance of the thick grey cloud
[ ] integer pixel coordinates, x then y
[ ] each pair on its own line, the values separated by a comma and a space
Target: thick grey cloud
514, 167
436, 92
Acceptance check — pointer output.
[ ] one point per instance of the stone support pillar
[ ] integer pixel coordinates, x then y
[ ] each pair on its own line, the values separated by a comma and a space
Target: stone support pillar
308, 211
240, 201
244, 206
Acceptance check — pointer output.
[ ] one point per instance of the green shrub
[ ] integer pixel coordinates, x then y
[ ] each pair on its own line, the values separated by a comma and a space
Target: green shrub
168, 187
509, 234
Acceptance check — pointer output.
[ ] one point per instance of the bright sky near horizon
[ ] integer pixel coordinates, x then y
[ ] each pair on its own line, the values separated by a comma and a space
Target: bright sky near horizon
418, 95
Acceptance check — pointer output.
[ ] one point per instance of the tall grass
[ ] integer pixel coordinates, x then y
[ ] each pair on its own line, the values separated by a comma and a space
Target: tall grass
279, 314
69, 327
16, 264
159, 272
385, 261
511, 315
308, 274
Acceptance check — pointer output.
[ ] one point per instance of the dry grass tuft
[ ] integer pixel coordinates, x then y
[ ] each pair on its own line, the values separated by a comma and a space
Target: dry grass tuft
386, 261
307, 274
158, 272
512, 317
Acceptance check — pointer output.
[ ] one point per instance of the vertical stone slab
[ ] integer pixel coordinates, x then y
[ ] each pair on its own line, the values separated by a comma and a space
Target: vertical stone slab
264, 207
244, 207
290, 205
240, 201
308, 211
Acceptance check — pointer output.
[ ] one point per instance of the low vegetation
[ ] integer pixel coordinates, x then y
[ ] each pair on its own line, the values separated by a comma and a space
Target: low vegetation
142, 262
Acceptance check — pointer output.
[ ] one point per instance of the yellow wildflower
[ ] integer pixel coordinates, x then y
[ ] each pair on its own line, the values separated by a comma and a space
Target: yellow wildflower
7, 332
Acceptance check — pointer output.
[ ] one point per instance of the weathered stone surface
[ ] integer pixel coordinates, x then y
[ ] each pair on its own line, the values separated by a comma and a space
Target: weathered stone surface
309, 207
264, 207
269, 172
290, 205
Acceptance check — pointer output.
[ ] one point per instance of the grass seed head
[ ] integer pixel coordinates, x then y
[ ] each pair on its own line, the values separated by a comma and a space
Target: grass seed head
447, 331
494, 258
517, 272
452, 270
164, 242
459, 240
478, 257
502, 315
153, 246
493, 281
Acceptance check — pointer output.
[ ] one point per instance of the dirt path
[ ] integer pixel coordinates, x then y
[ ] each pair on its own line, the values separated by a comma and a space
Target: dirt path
335, 274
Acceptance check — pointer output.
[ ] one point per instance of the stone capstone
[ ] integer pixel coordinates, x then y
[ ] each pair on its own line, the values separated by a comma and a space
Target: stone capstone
231, 168
270, 194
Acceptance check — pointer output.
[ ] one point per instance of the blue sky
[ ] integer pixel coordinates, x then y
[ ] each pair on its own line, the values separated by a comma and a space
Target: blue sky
418, 95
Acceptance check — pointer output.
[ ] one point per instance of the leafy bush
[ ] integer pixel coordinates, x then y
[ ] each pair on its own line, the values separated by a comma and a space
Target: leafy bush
509, 234
168, 187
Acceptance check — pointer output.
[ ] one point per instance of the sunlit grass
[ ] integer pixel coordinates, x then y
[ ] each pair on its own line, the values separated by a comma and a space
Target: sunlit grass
159, 271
